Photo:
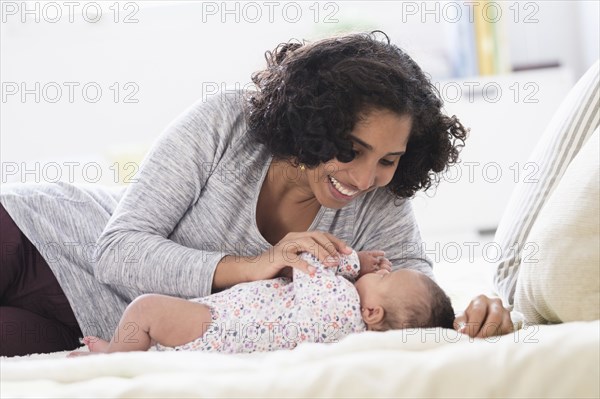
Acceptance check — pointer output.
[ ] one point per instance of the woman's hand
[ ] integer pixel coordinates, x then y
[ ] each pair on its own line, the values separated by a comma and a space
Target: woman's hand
372, 261
279, 260
484, 317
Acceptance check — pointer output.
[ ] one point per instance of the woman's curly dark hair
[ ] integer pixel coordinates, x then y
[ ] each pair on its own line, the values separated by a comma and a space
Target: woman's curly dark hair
310, 97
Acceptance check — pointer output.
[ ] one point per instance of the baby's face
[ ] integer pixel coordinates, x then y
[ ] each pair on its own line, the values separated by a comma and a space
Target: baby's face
373, 287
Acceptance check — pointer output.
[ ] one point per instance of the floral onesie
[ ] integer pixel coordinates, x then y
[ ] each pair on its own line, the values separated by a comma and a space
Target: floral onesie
280, 313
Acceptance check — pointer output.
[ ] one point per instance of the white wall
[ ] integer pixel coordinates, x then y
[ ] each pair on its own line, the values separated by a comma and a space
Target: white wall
589, 31
506, 114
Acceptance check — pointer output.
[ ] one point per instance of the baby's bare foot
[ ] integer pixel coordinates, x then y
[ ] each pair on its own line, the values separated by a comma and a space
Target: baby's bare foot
95, 344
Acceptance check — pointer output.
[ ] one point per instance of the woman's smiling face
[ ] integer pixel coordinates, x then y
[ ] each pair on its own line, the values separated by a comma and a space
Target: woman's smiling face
379, 140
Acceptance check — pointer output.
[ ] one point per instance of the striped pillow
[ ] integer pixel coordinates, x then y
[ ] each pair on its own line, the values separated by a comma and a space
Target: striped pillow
563, 283
568, 131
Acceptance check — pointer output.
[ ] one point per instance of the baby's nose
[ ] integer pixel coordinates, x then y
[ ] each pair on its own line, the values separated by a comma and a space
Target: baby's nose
382, 271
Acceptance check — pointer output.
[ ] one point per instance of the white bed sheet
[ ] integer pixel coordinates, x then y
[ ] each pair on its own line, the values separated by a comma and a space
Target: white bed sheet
537, 361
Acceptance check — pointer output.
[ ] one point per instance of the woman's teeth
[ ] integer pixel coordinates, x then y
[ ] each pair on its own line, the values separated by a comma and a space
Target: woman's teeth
338, 186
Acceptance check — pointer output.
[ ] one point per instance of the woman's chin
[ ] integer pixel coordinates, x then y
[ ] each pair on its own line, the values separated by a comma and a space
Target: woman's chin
333, 203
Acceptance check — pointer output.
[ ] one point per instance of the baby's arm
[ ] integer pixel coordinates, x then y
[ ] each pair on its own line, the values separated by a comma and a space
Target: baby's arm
153, 318
349, 266
320, 284
357, 264
373, 261
320, 296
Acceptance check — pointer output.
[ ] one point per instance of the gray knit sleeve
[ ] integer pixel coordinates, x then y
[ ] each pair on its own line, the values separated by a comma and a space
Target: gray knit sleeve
386, 223
134, 250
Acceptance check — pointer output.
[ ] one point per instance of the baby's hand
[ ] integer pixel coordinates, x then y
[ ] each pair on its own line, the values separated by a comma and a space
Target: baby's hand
372, 261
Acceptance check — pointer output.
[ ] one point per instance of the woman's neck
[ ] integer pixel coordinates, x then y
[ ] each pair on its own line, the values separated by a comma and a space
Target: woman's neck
289, 184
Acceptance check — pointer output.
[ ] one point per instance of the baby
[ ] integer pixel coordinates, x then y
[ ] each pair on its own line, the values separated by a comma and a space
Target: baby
280, 313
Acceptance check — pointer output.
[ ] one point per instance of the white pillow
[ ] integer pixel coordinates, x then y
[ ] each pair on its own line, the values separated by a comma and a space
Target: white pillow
570, 128
561, 281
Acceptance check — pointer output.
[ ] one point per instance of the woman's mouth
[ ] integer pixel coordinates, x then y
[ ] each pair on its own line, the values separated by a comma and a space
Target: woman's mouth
339, 190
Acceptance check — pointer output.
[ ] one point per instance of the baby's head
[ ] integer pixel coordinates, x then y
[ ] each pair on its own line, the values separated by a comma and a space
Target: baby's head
403, 299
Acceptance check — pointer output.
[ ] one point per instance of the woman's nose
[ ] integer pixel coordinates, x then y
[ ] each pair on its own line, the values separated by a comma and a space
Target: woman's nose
363, 178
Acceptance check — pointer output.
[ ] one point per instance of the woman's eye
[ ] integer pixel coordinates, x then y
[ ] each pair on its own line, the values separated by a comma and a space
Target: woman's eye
383, 162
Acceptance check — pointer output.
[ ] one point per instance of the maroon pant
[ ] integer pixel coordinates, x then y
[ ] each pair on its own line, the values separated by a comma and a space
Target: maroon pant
35, 315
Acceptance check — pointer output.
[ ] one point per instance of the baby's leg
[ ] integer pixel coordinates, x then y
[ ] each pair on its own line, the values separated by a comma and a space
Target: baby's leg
155, 318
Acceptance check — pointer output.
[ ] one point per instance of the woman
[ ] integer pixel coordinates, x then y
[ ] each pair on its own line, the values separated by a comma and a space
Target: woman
325, 155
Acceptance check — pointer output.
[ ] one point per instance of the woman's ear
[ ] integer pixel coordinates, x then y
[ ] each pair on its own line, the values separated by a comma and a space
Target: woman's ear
373, 316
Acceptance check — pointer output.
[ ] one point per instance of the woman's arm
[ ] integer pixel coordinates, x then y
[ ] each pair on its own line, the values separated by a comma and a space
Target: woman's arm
133, 250
232, 270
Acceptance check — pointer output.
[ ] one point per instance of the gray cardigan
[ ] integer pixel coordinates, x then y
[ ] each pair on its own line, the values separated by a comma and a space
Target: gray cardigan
194, 202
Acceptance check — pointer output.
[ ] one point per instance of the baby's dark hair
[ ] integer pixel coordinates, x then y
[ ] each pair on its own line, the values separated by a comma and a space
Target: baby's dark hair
425, 311
311, 96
